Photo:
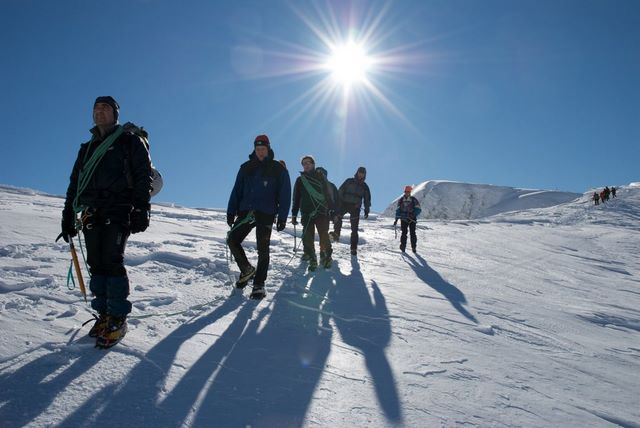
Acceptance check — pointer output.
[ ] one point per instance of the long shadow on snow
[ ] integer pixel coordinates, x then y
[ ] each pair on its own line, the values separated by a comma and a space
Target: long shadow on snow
29, 391
269, 377
135, 402
435, 281
260, 372
365, 325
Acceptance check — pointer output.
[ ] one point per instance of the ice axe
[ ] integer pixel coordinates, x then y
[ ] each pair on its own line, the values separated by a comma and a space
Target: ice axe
76, 265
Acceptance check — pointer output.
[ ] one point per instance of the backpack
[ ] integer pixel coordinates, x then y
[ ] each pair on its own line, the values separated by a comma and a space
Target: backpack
408, 208
156, 177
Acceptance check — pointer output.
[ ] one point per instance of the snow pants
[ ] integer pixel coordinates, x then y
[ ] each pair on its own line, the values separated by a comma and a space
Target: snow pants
320, 222
411, 226
263, 224
106, 233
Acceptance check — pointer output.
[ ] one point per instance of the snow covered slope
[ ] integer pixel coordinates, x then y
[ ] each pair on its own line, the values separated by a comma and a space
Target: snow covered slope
528, 318
448, 200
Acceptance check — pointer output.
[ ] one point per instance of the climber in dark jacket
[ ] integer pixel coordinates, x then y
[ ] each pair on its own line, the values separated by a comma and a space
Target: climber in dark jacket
333, 191
311, 196
261, 192
109, 188
407, 211
351, 195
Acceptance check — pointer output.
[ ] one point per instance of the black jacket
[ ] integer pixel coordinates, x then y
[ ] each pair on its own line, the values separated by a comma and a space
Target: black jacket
121, 179
352, 192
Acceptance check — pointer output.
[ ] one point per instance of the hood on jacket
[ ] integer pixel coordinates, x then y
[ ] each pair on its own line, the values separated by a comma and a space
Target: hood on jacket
363, 170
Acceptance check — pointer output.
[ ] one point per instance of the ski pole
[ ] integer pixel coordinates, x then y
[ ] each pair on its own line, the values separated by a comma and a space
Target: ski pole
295, 237
76, 264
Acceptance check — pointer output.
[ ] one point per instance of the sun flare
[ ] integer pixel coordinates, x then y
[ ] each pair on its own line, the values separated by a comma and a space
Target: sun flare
351, 61
349, 64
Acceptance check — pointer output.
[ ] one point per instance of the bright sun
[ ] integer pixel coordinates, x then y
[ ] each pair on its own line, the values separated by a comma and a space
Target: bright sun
349, 64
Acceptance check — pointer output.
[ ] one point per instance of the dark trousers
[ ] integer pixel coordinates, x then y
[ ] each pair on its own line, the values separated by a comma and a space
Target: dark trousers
106, 236
320, 222
411, 226
354, 213
263, 224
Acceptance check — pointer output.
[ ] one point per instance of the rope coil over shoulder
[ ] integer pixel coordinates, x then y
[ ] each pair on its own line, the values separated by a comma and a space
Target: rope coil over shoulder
89, 166
316, 196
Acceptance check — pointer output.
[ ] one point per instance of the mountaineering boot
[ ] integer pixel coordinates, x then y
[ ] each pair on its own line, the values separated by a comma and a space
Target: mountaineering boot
354, 252
402, 248
99, 325
325, 259
414, 249
245, 277
305, 257
313, 263
258, 292
113, 333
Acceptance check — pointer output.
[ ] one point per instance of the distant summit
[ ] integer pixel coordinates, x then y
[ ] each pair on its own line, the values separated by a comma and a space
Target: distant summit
448, 200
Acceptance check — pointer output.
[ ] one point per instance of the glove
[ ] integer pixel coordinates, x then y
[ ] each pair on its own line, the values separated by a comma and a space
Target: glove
395, 223
280, 226
139, 220
294, 220
366, 214
68, 226
67, 233
230, 219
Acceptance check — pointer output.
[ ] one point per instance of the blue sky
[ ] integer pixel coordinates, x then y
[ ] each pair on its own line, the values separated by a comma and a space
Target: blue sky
534, 94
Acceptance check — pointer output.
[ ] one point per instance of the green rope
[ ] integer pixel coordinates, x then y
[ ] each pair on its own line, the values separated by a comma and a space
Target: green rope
249, 218
308, 183
71, 283
84, 258
89, 166
317, 198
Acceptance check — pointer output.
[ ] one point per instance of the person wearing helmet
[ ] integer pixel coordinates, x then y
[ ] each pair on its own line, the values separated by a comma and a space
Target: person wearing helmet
407, 212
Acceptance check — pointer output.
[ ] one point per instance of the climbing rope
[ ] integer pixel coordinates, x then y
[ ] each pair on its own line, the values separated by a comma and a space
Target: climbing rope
89, 166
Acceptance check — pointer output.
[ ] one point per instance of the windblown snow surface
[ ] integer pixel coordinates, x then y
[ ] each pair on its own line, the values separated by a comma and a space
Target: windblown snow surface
526, 318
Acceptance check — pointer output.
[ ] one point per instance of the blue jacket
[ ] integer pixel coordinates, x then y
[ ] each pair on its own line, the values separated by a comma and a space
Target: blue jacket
261, 186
